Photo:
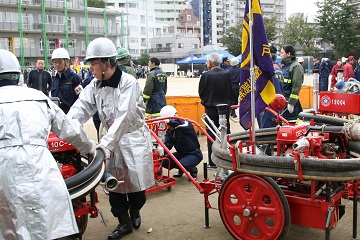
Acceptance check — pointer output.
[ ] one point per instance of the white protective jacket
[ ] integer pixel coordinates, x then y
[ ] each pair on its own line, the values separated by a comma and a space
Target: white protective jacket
34, 200
121, 111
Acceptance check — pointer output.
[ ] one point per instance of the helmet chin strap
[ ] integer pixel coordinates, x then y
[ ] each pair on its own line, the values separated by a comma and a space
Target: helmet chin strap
102, 69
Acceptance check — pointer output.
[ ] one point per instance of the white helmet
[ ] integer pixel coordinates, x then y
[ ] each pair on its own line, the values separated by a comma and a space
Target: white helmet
300, 59
9, 64
100, 48
234, 61
60, 53
168, 111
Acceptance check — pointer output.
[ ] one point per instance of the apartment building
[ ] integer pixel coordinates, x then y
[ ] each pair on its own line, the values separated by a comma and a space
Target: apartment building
32, 29
141, 26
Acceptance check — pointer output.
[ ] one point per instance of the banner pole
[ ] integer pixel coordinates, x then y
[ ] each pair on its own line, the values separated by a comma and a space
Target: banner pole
252, 72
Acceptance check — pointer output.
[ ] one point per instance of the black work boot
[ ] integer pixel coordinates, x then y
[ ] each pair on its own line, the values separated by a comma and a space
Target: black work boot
193, 171
179, 174
135, 218
122, 229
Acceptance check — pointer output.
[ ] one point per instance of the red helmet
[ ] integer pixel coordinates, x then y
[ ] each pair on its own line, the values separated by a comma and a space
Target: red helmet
279, 103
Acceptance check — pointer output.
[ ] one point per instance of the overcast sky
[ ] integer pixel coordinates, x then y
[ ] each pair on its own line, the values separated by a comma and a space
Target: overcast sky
307, 7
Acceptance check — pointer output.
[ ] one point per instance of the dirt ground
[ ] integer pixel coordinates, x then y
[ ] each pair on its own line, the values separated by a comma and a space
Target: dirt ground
179, 213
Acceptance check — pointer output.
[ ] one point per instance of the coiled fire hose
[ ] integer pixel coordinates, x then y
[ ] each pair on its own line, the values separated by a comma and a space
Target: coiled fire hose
275, 166
87, 180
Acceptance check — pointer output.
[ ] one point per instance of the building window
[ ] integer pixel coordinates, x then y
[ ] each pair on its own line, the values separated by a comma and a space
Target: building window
83, 45
188, 17
158, 45
169, 45
195, 46
133, 5
180, 45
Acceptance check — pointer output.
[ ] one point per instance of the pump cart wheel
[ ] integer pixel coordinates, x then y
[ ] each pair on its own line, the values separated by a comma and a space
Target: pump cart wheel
253, 207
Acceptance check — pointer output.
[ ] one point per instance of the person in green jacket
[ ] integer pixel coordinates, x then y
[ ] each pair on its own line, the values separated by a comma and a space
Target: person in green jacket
155, 89
293, 79
123, 59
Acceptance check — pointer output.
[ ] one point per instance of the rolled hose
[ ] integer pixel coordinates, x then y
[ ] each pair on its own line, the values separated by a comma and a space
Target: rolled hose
87, 187
323, 119
312, 169
80, 184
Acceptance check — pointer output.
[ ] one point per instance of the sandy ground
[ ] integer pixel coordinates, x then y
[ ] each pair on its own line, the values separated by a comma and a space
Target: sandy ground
179, 213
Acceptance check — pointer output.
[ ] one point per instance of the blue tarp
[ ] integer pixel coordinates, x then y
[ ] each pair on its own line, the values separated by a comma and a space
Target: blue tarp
202, 59
187, 60
239, 57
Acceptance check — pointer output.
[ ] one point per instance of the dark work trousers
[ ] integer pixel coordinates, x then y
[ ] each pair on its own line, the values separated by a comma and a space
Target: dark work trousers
120, 202
187, 160
213, 114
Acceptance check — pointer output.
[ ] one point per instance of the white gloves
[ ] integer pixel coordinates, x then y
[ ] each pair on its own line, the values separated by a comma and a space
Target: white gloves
105, 151
290, 108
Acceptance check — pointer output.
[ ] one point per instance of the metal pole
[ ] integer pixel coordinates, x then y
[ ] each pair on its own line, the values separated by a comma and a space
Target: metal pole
21, 35
252, 73
201, 27
316, 89
147, 27
122, 30
66, 27
207, 221
175, 43
86, 24
355, 208
127, 25
43, 16
105, 23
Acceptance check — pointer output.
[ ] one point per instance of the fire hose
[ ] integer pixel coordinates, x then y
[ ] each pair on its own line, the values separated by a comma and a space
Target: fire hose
322, 119
87, 180
275, 166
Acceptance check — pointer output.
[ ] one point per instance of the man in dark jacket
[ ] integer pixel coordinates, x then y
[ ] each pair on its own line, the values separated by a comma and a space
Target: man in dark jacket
155, 89
325, 70
39, 78
183, 138
66, 84
214, 89
235, 81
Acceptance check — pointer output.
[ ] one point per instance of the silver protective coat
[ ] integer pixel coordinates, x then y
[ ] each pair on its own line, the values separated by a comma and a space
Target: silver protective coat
121, 111
34, 200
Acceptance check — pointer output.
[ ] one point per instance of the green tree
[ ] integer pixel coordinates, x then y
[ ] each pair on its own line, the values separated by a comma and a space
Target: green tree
232, 39
270, 27
298, 31
143, 60
339, 25
96, 3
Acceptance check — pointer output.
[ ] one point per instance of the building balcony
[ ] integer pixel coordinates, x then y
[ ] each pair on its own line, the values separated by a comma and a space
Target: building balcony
156, 50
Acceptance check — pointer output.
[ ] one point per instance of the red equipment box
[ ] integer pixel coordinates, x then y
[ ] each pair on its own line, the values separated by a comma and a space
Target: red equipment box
339, 102
56, 144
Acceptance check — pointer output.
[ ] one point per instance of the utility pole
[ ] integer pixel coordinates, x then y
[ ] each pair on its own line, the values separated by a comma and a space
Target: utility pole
175, 43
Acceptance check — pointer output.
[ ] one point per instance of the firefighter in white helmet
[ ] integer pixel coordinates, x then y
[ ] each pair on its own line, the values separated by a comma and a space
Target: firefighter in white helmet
183, 138
35, 202
66, 84
116, 96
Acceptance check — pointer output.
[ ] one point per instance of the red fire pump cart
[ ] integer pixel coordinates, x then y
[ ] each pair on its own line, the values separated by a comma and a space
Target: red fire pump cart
158, 128
80, 177
297, 173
